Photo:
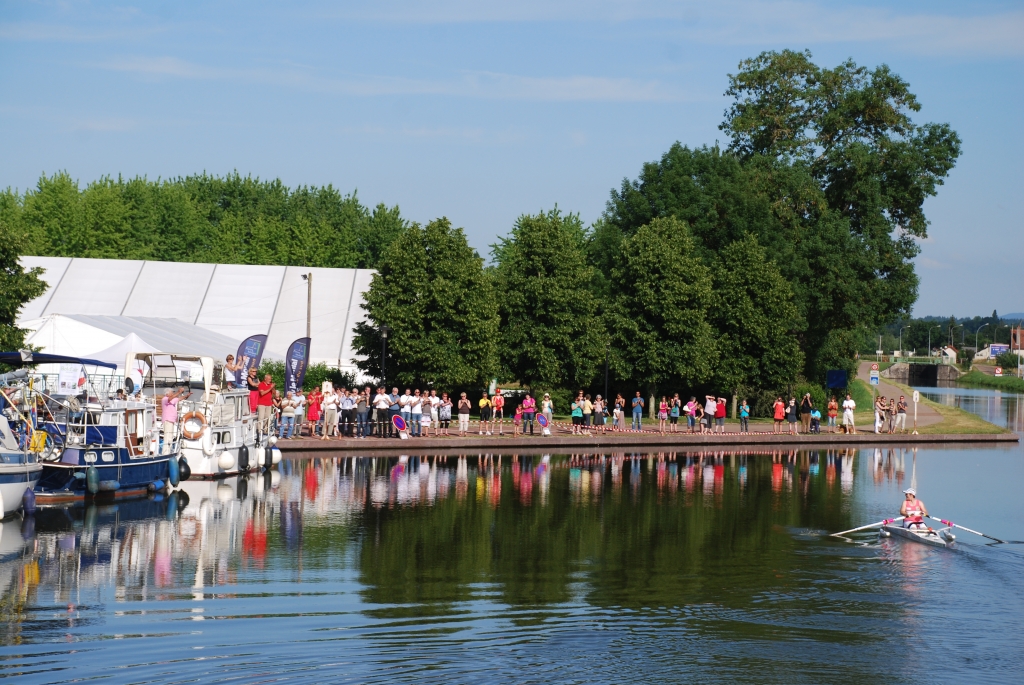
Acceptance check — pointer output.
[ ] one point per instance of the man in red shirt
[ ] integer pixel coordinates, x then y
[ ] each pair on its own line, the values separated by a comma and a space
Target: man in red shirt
498, 409
265, 404
720, 416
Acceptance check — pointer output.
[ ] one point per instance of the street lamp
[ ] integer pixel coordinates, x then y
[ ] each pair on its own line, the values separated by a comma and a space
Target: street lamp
606, 375
384, 330
308, 278
976, 338
901, 340
938, 325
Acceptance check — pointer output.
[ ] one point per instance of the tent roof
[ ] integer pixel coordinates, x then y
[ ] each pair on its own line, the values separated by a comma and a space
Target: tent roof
117, 352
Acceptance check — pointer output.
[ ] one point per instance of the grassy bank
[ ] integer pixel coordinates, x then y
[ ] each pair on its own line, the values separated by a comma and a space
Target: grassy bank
977, 379
954, 420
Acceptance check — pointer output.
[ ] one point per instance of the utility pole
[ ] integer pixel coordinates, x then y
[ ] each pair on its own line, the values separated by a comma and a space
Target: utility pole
384, 330
605, 377
308, 278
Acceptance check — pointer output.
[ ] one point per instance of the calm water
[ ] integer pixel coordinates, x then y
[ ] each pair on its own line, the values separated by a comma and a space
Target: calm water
674, 567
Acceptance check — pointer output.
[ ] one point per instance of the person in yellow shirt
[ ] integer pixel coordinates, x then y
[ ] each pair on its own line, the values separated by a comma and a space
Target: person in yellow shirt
485, 414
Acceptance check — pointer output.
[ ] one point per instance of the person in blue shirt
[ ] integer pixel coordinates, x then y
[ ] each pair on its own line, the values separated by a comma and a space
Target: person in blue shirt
744, 417
815, 420
638, 412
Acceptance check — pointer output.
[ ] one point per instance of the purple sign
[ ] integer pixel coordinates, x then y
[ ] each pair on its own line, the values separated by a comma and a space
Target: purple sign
296, 362
250, 353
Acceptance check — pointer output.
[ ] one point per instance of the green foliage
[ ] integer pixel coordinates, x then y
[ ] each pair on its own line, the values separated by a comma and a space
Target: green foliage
234, 220
658, 318
17, 286
316, 374
977, 379
1008, 360
551, 332
431, 290
754, 317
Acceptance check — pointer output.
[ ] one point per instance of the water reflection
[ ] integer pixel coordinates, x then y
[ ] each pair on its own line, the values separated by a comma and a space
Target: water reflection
703, 551
1001, 408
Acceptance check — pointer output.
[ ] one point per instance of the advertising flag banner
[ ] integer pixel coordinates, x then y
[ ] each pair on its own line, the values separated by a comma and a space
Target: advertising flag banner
250, 353
295, 363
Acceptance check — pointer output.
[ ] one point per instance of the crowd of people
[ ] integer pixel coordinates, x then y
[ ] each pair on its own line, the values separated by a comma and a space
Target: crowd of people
334, 413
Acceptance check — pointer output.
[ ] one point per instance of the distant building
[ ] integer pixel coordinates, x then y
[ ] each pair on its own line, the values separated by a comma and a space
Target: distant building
948, 354
991, 352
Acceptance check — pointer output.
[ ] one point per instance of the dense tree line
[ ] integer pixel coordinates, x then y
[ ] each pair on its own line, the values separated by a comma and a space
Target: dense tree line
233, 220
749, 267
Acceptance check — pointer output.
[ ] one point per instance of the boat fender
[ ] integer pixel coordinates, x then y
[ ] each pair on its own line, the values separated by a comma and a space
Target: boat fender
28, 502
92, 480
207, 444
184, 470
172, 471
268, 458
28, 528
243, 458
226, 462
155, 486
172, 506
109, 486
243, 488
182, 499
276, 455
193, 425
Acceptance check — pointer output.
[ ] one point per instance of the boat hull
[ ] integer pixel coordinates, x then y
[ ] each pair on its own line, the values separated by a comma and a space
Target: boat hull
926, 537
13, 483
65, 481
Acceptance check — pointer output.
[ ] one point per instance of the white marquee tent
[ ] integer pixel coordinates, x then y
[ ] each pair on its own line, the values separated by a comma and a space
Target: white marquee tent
188, 302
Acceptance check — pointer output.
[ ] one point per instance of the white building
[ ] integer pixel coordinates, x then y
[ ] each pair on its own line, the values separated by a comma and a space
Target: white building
201, 308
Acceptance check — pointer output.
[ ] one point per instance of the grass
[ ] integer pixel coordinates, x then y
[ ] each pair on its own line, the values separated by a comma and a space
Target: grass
977, 379
955, 421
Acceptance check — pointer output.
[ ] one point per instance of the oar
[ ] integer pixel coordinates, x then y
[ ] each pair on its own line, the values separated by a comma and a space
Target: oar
883, 522
953, 525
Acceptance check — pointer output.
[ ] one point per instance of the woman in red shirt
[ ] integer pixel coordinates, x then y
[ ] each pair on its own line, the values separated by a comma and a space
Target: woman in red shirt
314, 402
780, 414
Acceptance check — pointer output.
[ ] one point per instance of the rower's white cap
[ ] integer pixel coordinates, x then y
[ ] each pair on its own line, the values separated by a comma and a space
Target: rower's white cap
910, 491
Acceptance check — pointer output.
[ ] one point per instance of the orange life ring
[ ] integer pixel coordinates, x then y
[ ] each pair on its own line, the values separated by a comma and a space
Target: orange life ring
193, 434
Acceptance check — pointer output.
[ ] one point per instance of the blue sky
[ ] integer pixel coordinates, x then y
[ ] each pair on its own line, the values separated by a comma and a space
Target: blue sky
484, 111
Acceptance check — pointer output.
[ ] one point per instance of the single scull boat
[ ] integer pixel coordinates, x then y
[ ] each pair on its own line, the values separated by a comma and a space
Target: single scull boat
927, 536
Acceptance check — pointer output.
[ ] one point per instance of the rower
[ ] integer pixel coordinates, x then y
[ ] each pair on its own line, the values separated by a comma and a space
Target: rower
913, 510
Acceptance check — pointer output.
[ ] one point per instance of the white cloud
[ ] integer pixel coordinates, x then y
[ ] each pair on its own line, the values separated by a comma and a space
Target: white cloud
473, 84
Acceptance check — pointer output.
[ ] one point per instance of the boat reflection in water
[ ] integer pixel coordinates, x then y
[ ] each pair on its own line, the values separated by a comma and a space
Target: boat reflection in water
343, 562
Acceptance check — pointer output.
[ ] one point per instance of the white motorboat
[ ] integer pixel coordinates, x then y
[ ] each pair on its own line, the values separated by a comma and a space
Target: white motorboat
219, 433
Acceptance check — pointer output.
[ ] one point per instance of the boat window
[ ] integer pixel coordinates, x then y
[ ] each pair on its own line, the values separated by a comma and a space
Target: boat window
107, 456
90, 457
225, 438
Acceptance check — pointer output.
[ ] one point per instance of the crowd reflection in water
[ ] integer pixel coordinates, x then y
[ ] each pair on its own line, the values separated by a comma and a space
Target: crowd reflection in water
214, 531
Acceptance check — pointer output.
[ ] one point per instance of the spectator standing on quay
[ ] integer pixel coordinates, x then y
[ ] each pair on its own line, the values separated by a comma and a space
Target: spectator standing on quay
330, 408
849, 406
806, 405
299, 402
599, 411
879, 413
576, 410
498, 407
416, 413
464, 406
833, 412
778, 414
892, 416
792, 415
691, 414
435, 417
744, 416
547, 408
362, 414
710, 409
265, 404
444, 413
394, 410
405, 406
620, 412
425, 418
517, 420
815, 421
485, 414
638, 412
662, 414
314, 403
276, 413
588, 413
901, 414
675, 408
346, 407
529, 412
381, 404
720, 415
287, 423
698, 416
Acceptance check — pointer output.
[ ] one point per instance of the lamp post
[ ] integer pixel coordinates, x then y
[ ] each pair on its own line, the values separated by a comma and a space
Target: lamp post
901, 340
384, 330
938, 325
308, 278
976, 338
606, 376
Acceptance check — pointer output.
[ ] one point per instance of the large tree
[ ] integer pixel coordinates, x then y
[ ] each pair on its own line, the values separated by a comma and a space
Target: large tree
431, 291
17, 286
754, 318
658, 318
551, 332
